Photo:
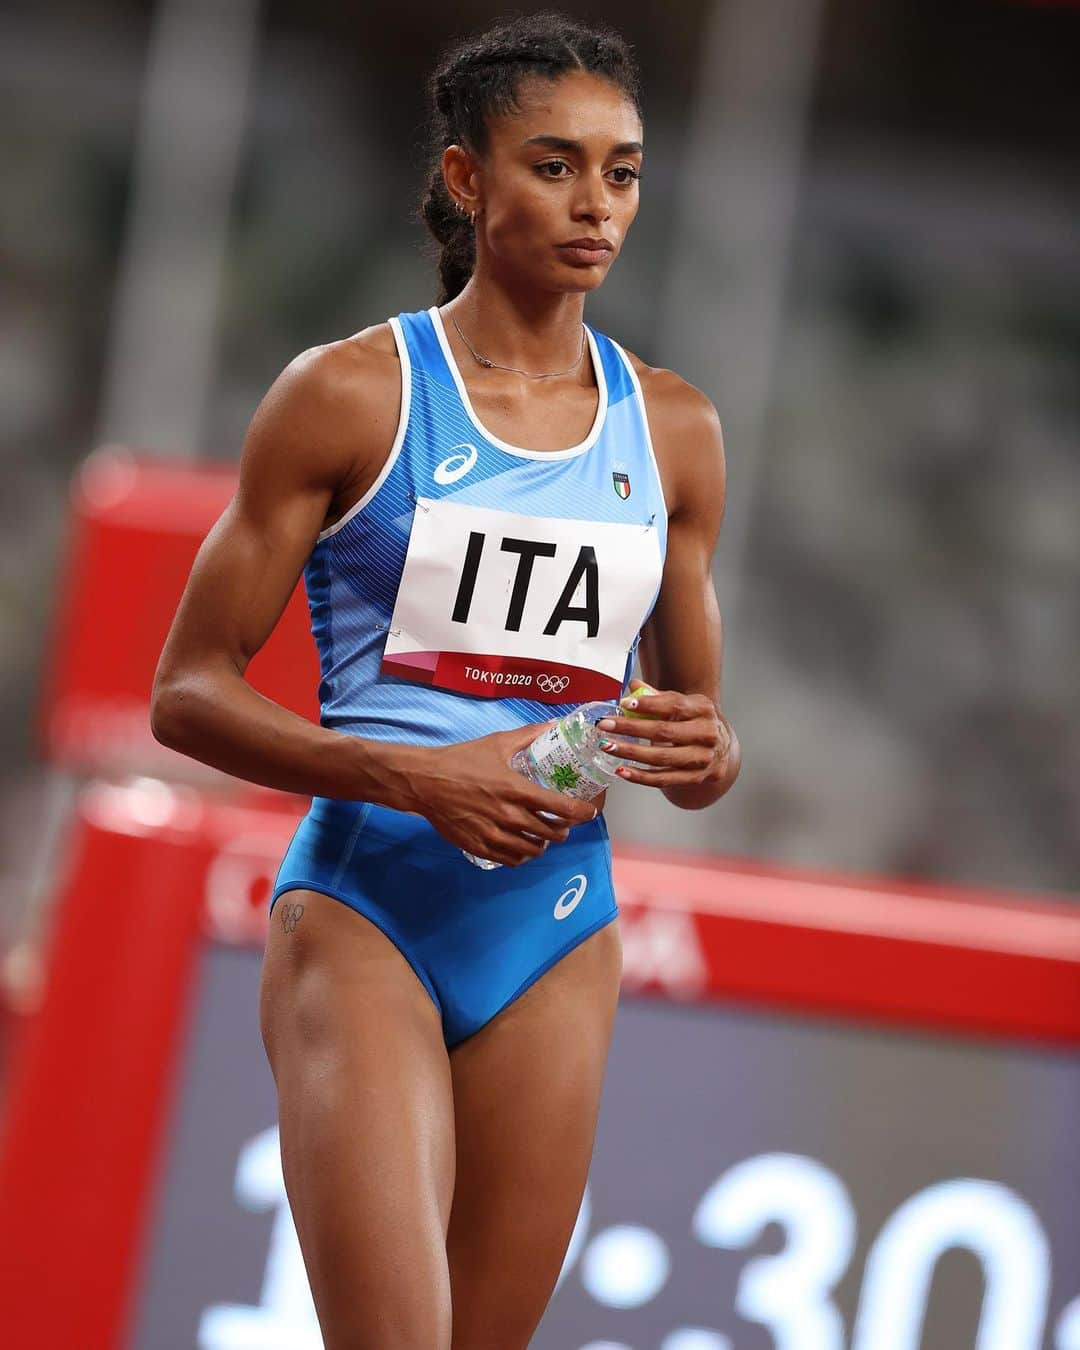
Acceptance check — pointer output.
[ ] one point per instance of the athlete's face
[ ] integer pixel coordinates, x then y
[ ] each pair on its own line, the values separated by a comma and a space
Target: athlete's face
560, 173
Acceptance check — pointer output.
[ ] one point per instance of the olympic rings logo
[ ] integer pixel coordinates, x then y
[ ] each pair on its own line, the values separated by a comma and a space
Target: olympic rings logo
552, 684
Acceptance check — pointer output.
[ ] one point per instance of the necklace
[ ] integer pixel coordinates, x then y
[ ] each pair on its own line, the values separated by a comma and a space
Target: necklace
489, 365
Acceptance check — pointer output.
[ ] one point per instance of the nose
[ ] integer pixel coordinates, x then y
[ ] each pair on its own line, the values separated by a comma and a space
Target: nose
592, 201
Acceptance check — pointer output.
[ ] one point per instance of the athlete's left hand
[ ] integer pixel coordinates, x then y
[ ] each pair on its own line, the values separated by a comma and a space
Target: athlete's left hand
690, 742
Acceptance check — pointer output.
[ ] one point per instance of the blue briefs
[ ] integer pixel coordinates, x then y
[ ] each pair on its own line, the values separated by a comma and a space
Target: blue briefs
476, 939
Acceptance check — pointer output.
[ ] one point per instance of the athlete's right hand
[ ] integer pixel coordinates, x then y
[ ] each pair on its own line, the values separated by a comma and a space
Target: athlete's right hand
472, 796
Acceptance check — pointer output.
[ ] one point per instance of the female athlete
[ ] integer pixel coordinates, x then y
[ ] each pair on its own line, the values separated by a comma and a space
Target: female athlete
492, 505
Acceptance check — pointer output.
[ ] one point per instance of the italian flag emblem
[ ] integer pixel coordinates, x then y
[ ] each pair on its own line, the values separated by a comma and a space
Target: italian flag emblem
621, 483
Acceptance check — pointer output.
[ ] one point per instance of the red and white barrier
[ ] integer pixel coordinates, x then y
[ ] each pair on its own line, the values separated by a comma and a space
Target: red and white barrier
155, 870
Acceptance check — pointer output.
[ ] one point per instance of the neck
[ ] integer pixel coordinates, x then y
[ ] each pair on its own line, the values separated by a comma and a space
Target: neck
539, 331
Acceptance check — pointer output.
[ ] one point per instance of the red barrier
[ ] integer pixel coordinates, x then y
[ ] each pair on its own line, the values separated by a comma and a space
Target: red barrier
89, 1089
917, 956
154, 869
135, 527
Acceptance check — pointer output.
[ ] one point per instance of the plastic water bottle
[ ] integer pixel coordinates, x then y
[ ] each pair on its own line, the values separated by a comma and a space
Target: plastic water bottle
566, 757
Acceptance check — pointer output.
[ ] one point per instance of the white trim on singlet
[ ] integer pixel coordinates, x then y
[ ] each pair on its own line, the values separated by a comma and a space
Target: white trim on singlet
601, 402
399, 437
644, 422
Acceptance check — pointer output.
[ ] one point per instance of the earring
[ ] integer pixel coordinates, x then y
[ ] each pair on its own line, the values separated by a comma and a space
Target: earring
472, 219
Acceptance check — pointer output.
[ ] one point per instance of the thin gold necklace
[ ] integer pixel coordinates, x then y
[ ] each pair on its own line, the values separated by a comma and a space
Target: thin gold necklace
494, 365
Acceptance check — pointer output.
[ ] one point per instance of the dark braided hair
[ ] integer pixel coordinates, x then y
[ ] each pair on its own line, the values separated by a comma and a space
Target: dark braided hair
480, 78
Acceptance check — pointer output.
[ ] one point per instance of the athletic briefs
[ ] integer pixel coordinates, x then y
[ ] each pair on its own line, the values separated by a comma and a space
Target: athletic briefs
476, 939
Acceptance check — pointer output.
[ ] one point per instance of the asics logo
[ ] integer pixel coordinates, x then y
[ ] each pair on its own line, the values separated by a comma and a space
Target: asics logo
552, 684
456, 466
571, 897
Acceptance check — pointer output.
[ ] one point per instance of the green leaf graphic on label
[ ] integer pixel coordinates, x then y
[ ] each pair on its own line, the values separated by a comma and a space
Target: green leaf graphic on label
564, 777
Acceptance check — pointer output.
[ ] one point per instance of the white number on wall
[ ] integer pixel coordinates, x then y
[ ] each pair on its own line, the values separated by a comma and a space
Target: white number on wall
790, 1293
982, 1217
1067, 1335
285, 1318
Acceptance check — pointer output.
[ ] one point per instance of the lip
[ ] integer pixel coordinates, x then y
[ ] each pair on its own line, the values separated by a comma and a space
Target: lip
588, 251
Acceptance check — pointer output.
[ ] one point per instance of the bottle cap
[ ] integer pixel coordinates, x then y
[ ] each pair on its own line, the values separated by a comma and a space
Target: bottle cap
635, 712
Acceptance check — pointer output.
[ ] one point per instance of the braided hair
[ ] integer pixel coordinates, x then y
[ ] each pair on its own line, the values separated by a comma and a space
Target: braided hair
480, 78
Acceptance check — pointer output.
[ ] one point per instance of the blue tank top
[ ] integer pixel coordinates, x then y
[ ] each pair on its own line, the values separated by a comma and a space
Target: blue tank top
478, 586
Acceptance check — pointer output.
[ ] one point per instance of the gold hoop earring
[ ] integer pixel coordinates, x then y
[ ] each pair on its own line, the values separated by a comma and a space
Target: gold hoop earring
472, 219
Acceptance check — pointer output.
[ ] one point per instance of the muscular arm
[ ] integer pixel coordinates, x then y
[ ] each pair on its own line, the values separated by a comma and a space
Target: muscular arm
682, 642
331, 413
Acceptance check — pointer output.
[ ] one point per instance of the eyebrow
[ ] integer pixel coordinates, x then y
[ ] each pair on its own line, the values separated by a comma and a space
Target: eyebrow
560, 143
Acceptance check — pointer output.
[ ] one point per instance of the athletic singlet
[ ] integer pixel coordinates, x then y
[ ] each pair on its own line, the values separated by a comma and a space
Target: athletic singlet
478, 586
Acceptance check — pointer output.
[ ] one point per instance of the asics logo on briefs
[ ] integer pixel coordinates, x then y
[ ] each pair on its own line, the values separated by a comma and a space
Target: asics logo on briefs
456, 466
571, 897
552, 684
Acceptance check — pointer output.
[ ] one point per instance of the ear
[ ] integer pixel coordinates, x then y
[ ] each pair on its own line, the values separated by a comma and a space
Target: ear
461, 174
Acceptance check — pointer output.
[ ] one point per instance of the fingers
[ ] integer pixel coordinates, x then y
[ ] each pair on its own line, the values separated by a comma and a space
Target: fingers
528, 832
553, 831
660, 778
513, 844
693, 757
706, 736
545, 800
669, 703
682, 746
665, 703
701, 730
520, 833
509, 849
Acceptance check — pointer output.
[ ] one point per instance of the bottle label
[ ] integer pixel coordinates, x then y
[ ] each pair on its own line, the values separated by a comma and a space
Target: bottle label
558, 764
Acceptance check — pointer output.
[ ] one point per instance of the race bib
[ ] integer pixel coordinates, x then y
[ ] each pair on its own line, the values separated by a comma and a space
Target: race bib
535, 607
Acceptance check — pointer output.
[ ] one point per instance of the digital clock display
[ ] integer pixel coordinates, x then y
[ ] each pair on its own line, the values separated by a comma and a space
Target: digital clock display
759, 1181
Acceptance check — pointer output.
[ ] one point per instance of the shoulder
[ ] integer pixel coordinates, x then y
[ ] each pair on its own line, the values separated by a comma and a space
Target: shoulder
675, 403
340, 373
332, 404
686, 433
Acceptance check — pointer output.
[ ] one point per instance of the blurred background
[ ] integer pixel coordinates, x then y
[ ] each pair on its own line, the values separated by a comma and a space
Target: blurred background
858, 235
